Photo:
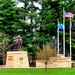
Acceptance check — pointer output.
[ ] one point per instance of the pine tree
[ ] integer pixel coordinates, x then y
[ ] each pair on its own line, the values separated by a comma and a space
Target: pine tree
8, 17
28, 27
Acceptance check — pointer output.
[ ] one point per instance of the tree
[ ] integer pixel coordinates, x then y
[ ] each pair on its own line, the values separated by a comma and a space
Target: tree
45, 54
4, 43
29, 28
47, 26
42, 26
9, 17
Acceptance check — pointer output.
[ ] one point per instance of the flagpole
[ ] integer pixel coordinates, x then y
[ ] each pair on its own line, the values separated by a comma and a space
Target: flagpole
58, 36
63, 32
70, 38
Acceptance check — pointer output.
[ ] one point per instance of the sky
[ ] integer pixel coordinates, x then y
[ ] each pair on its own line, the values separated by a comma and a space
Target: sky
20, 4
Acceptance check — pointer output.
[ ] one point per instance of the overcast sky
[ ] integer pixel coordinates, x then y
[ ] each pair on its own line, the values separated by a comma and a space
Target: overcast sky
20, 4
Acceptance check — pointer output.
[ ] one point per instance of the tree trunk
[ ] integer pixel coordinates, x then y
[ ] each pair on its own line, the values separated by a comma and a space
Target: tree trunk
45, 68
3, 59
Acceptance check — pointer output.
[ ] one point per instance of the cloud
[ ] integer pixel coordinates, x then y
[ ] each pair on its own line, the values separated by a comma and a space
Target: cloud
20, 4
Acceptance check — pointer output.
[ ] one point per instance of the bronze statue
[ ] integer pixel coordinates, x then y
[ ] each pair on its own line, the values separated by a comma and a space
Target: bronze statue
17, 43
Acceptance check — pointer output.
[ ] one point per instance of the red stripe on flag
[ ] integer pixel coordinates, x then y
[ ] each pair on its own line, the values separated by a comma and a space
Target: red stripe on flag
68, 15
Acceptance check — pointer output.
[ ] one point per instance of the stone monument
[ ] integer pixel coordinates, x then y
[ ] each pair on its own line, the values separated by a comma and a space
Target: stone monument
17, 58
55, 62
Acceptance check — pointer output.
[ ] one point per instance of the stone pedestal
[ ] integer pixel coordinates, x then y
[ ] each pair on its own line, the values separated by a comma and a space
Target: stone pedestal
17, 59
55, 62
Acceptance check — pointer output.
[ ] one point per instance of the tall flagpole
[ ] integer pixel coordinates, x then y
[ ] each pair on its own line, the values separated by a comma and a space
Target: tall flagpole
58, 36
70, 38
63, 31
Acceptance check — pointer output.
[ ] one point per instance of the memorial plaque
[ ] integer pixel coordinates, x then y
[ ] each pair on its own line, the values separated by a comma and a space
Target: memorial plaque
10, 58
21, 58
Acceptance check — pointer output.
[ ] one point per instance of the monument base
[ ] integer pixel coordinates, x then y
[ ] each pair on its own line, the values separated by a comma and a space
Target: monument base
55, 62
17, 59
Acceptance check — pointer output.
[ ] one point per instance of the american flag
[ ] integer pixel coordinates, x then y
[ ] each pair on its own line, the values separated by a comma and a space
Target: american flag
73, 25
69, 15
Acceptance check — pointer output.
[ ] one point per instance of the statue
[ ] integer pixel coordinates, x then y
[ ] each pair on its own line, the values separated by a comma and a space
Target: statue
17, 43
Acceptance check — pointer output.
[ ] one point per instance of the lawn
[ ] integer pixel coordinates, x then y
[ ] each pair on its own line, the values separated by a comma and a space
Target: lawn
33, 71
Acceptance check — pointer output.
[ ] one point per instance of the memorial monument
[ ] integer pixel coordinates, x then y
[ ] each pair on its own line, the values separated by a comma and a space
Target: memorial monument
17, 58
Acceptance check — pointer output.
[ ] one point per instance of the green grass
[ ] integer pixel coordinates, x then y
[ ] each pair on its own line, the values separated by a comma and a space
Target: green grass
33, 71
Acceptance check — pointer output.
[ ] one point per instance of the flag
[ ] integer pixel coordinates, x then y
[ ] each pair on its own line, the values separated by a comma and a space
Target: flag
61, 26
73, 25
68, 15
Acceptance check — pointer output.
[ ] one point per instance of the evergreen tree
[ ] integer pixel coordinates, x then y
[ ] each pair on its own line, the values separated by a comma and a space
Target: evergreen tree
28, 27
8, 17
36, 28
48, 20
